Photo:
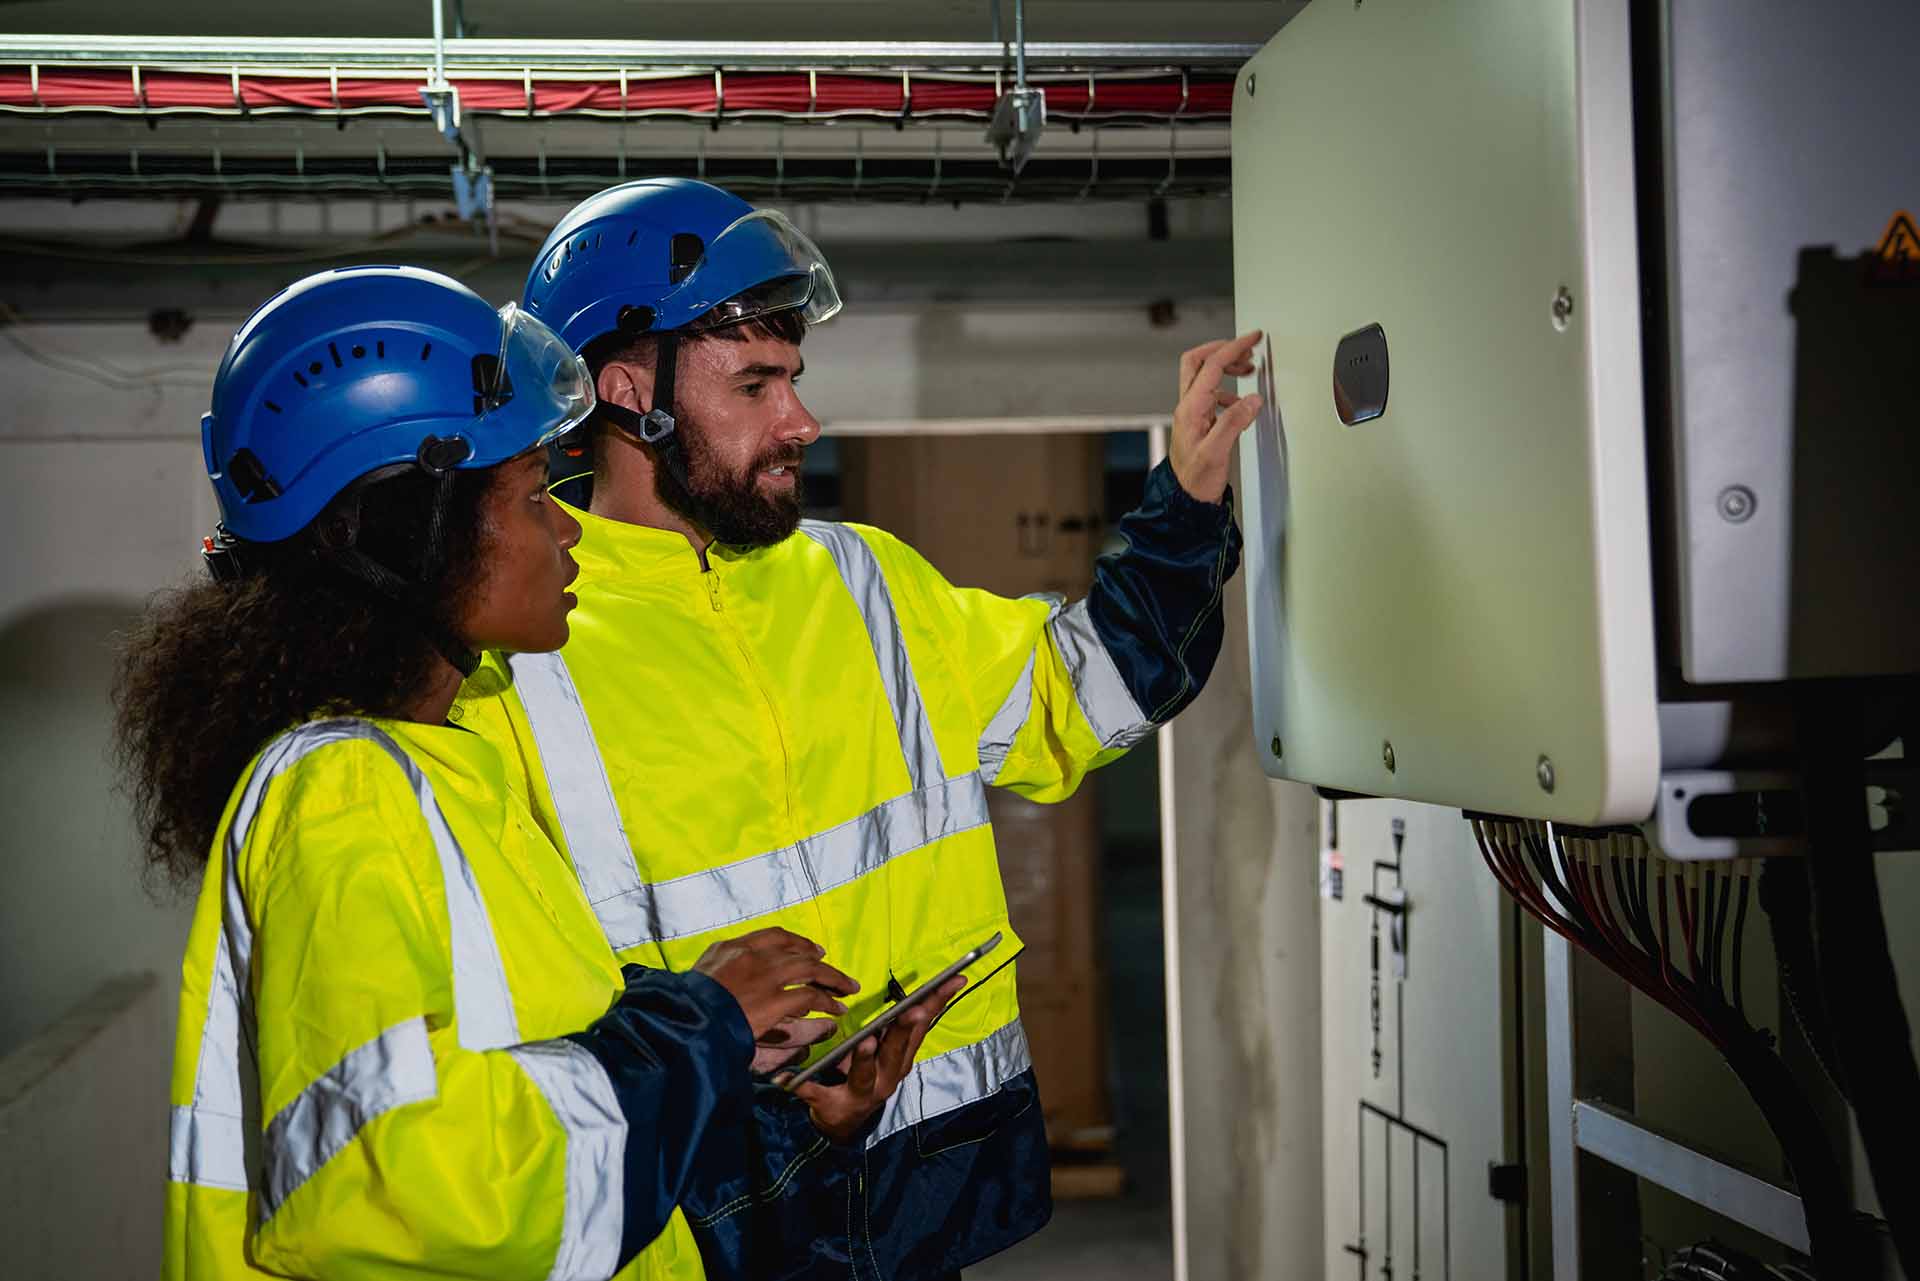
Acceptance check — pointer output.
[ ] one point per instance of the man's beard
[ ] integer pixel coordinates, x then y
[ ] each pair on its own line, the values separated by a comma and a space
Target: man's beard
728, 506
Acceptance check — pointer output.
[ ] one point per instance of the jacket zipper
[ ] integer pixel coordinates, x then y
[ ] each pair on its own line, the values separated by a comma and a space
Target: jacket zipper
786, 757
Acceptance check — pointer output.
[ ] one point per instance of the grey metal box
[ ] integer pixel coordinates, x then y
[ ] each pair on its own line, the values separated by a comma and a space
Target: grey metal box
1790, 136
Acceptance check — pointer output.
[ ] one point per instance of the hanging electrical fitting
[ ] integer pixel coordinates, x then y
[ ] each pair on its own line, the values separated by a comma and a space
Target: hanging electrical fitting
1020, 114
472, 176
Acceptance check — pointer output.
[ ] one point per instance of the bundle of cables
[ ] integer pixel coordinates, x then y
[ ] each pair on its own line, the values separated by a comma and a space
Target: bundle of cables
1711, 1261
1605, 891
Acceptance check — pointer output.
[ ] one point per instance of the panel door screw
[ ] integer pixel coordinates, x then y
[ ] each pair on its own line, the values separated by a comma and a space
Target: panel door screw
1736, 503
1386, 756
1250, 79
1544, 772
1562, 308
1275, 745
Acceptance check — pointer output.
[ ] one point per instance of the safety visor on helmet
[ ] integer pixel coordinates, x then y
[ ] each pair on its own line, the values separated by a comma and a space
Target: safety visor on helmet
771, 267
538, 389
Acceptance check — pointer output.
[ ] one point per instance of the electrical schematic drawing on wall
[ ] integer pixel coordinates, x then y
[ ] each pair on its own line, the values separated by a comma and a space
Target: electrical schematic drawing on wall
1419, 1158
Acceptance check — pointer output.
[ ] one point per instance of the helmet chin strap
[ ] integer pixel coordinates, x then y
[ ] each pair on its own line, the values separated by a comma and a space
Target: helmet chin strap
337, 547
389, 586
657, 428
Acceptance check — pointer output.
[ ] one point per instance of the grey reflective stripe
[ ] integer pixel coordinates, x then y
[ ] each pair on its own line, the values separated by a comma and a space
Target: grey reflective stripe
207, 1148
392, 1069
955, 1079
765, 883
213, 1139
860, 571
589, 816
482, 1001
997, 741
207, 1141
1105, 700
582, 1098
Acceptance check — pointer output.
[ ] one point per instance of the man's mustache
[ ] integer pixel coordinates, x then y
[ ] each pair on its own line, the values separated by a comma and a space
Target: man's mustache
779, 458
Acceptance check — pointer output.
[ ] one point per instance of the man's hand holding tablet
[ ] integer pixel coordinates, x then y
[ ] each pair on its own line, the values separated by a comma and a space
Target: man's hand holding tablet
878, 1056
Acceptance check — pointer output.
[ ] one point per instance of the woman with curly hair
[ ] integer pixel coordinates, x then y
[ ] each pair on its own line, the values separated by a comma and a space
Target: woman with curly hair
404, 1047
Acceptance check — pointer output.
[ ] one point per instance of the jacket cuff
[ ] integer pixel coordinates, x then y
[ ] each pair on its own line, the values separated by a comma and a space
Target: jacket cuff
1183, 509
676, 1050
789, 1115
1155, 604
729, 1019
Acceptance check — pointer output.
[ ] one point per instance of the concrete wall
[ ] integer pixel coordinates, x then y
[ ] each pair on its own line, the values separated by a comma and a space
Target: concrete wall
1244, 992
105, 502
80, 1191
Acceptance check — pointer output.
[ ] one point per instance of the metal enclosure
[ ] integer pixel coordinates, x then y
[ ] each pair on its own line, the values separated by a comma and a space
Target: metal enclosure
1636, 440
1451, 601
1789, 141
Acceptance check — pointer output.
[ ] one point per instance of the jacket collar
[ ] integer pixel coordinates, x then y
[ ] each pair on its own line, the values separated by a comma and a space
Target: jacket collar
615, 551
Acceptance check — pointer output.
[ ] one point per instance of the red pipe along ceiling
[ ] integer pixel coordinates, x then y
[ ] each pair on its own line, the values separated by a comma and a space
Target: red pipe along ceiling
895, 95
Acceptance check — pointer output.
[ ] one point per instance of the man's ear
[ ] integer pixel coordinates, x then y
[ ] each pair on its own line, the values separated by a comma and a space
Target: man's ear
628, 386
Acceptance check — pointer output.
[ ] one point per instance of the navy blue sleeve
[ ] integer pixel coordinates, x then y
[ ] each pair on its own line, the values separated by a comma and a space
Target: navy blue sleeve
1156, 601
678, 1051
772, 1202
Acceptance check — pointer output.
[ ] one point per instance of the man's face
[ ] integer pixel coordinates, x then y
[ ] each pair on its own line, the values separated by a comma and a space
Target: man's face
743, 429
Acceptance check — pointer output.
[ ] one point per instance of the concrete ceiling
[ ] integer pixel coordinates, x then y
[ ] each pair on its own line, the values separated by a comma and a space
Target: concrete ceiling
1146, 21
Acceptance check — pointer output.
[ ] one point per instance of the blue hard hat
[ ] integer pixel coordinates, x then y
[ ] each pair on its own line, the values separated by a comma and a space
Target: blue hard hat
354, 370
661, 253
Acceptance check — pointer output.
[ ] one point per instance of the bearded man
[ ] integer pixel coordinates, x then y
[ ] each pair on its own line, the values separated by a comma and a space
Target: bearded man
765, 721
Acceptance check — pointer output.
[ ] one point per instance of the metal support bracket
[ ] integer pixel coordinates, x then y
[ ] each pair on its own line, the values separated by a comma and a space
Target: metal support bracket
442, 99
1020, 115
1620, 1139
1726, 814
443, 102
472, 176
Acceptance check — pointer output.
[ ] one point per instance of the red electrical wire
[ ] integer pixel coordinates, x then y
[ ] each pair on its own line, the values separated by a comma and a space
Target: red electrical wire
1679, 987
1687, 904
1519, 882
1163, 96
1594, 894
1509, 870
1644, 973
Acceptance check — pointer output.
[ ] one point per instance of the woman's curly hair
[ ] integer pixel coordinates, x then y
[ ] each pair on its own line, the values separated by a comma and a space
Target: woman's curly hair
213, 670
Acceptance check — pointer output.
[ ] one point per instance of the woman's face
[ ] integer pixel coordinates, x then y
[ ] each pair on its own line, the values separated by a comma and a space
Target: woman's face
522, 601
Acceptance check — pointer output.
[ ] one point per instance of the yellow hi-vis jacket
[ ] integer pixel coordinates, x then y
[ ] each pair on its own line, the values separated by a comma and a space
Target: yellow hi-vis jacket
373, 1076
802, 735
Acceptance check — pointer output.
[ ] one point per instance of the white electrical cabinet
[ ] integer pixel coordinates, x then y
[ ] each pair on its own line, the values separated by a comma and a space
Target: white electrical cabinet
1589, 361
1446, 499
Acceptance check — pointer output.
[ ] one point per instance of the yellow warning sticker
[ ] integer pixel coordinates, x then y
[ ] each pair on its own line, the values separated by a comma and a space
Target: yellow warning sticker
1901, 243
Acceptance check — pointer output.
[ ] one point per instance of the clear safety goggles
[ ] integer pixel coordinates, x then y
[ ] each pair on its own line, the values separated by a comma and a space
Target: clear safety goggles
546, 385
790, 272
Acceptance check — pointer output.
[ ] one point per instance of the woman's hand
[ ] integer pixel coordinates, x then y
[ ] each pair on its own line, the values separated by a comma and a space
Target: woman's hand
776, 976
875, 1069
